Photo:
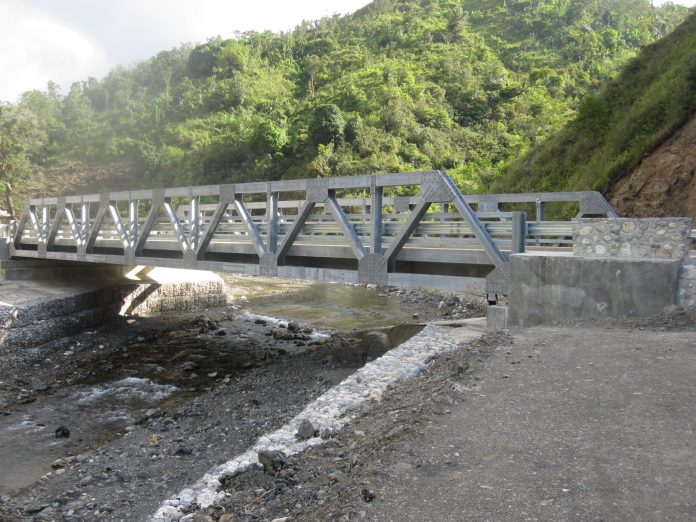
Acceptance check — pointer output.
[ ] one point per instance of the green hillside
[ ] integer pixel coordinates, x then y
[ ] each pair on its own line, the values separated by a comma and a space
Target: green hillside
466, 86
614, 129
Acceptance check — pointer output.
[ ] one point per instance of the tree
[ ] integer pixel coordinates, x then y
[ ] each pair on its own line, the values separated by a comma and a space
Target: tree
327, 125
20, 138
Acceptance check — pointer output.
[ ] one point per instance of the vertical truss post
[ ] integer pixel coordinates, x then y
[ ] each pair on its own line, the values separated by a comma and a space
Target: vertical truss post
519, 232
43, 226
377, 228
540, 210
132, 225
84, 221
195, 221
272, 221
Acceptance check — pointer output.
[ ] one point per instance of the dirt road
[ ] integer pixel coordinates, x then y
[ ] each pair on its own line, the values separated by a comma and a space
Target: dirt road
557, 423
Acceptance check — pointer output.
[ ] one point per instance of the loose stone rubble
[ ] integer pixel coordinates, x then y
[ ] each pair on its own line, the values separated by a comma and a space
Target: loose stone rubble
328, 414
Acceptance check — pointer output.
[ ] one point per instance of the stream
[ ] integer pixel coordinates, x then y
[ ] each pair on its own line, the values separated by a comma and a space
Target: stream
136, 379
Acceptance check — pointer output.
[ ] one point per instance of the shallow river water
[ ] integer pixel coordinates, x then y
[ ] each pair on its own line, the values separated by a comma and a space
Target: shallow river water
168, 370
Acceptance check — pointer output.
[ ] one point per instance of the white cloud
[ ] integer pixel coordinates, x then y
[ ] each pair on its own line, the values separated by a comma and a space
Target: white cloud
66, 41
35, 49
183, 20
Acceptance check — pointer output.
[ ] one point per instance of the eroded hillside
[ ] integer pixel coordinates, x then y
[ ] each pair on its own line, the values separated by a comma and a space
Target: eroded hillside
664, 183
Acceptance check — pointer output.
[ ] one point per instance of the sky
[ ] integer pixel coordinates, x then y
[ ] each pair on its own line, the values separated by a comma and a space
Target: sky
69, 40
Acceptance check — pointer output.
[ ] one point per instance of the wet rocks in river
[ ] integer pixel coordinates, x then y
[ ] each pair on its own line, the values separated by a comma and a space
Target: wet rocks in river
205, 324
62, 432
38, 385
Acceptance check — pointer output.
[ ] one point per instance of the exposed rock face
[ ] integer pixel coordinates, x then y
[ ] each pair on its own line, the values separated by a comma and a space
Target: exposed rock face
664, 184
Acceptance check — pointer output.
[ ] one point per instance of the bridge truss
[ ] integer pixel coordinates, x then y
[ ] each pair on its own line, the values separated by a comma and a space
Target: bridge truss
406, 229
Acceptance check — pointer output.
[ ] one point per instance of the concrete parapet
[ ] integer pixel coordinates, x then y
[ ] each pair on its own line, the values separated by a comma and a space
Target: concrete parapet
496, 318
665, 238
555, 288
4, 248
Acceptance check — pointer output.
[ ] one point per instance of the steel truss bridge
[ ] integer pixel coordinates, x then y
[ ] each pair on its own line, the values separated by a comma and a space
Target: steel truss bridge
358, 229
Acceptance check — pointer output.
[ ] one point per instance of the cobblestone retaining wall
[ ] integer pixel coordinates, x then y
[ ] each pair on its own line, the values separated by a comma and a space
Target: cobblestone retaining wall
666, 238
686, 296
153, 298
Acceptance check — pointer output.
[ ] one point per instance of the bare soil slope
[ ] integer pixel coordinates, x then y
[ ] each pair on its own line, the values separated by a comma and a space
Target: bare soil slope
664, 183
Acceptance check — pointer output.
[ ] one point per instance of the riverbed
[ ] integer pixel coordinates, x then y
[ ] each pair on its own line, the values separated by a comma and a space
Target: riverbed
152, 402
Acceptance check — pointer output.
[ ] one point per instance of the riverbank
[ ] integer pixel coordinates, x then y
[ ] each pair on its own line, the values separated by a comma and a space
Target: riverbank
585, 422
223, 380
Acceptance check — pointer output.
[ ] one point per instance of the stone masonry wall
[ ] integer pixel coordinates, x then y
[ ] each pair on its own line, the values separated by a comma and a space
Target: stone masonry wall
149, 299
686, 295
666, 238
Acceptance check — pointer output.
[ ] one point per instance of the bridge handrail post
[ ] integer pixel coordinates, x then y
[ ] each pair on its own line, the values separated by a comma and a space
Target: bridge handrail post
519, 232
376, 217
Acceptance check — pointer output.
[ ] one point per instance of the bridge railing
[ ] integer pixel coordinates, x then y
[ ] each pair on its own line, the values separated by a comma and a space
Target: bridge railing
357, 228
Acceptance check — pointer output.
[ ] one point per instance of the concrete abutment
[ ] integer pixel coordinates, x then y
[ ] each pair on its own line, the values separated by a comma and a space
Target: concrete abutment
620, 268
44, 300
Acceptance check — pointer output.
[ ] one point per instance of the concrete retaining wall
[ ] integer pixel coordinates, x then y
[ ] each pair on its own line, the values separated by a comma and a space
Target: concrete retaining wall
663, 238
35, 323
559, 288
4, 248
44, 300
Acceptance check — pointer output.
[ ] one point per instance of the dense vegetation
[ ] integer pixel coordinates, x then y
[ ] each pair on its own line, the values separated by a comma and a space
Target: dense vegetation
614, 129
460, 85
